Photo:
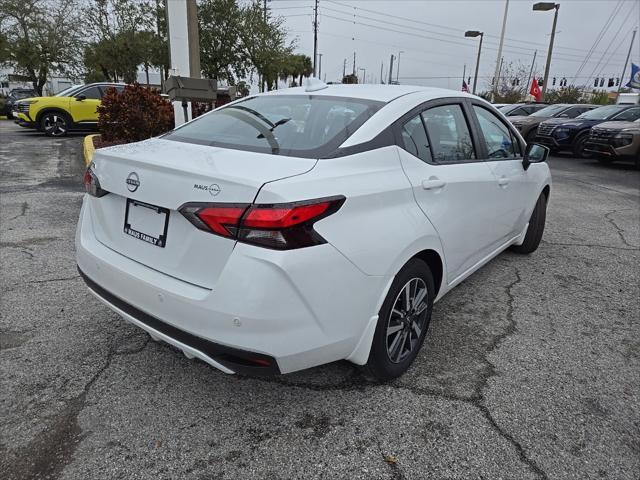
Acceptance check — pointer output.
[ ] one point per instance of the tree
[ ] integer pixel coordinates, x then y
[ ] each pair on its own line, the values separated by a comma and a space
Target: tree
222, 56
512, 86
42, 37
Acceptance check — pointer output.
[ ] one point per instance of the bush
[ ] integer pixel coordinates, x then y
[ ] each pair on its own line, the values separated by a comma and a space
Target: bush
135, 114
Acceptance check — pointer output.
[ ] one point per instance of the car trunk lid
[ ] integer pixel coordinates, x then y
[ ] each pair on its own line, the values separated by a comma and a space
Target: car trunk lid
167, 174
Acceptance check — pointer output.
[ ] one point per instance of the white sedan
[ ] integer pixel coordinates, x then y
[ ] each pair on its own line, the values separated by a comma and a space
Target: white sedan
308, 225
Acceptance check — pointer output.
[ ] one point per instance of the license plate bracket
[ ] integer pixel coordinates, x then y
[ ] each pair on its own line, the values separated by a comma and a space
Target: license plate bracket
146, 222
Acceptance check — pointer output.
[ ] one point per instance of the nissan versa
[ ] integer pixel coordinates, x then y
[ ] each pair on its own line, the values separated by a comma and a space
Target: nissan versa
308, 225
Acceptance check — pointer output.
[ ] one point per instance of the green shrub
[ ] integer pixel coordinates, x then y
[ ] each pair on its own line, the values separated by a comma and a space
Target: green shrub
135, 114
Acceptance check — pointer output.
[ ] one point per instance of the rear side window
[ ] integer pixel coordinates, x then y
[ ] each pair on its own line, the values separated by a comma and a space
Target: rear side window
449, 134
415, 139
305, 126
628, 115
500, 142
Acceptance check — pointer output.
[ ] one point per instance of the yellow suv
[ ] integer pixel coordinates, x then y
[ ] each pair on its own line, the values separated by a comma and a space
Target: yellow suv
72, 109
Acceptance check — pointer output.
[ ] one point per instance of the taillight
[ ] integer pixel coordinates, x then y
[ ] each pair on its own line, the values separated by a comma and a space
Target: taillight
281, 226
92, 184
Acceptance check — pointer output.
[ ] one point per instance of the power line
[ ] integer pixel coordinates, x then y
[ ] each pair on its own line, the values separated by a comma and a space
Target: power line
422, 23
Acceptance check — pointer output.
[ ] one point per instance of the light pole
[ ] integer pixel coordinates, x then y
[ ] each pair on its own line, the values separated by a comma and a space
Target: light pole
364, 74
544, 7
475, 33
398, 71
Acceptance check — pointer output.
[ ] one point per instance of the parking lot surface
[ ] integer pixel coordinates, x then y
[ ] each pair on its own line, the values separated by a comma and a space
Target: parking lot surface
531, 368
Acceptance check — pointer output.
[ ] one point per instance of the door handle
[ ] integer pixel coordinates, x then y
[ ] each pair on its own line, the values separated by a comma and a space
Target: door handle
433, 184
503, 181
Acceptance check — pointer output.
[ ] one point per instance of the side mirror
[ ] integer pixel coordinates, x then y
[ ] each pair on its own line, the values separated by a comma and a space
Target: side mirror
79, 98
535, 153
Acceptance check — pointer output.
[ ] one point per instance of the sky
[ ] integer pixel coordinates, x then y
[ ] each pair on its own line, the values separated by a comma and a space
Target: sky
430, 34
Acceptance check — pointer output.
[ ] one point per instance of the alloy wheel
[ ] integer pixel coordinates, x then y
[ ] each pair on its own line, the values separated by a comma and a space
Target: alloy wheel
55, 125
407, 320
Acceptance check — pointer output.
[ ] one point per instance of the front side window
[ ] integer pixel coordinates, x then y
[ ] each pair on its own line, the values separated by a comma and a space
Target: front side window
307, 126
601, 113
415, 139
92, 93
550, 111
497, 136
449, 134
628, 115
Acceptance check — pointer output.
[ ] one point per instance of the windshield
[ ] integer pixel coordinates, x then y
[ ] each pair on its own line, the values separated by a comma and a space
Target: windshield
508, 108
22, 94
601, 113
549, 111
301, 126
68, 91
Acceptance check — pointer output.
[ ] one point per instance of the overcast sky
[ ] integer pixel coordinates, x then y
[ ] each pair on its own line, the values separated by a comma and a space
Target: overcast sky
431, 34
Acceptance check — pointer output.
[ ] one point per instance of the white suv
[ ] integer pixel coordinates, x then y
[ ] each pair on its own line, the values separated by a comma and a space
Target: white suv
308, 225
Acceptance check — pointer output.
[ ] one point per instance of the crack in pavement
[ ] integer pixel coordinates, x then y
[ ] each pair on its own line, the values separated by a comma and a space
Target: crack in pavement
617, 227
593, 245
23, 210
46, 280
52, 449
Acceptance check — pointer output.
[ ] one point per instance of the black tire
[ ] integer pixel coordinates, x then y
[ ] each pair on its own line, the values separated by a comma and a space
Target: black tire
536, 228
579, 144
55, 124
381, 364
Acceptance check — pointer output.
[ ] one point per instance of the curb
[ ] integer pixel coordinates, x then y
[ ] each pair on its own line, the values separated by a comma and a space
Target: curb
88, 149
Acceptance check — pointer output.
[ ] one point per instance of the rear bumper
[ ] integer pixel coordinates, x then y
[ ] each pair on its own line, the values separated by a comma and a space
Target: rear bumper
294, 309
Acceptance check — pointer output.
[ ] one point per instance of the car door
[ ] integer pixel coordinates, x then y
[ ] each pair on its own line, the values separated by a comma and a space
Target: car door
503, 153
84, 105
455, 190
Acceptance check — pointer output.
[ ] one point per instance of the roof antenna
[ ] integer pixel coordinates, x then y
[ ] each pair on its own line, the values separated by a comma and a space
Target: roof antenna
314, 84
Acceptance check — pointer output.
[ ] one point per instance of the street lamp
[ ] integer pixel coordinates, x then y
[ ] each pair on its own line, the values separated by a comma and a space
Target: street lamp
545, 7
475, 33
398, 71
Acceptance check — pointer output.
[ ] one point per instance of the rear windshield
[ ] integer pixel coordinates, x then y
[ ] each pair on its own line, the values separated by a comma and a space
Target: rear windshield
601, 113
310, 126
549, 111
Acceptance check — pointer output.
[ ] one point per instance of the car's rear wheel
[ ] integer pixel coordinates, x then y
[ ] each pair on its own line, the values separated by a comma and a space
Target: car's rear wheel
55, 124
403, 321
579, 144
536, 228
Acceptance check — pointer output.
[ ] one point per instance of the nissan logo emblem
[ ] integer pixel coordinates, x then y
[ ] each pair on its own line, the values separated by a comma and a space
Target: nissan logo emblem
133, 182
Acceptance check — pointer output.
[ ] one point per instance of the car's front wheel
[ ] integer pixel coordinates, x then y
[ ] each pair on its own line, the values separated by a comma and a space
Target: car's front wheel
403, 321
579, 144
55, 124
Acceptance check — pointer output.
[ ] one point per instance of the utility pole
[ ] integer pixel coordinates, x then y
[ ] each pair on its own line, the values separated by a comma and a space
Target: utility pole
626, 62
398, 67
464, 74
498, 61
315, 37
543, 7
391, 70
354, 64
381, 68
319, 65
531, 73
344, 68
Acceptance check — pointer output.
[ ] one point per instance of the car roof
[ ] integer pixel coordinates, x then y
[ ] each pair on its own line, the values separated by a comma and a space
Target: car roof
381, 93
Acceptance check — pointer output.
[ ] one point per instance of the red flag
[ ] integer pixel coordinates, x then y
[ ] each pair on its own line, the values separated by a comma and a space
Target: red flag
465, 87
535, 90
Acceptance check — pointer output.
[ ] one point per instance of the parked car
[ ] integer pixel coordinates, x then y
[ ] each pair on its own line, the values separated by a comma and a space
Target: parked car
612, 141
71, 109
15, 95
262, 246
628, 99
571, 135
527, 125
521, 109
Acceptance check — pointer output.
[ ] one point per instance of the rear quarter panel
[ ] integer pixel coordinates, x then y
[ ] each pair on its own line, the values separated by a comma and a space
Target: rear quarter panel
380, 225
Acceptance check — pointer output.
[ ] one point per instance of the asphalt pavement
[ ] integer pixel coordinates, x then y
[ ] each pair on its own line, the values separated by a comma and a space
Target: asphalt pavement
531, 368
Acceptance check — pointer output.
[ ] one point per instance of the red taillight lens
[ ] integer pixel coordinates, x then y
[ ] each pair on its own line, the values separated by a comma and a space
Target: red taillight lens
279, 226
91, 183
